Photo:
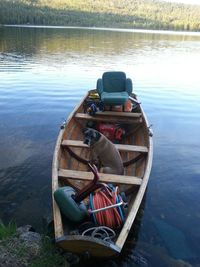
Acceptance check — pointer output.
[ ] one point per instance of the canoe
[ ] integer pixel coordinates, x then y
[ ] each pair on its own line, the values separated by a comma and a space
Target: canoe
68, 170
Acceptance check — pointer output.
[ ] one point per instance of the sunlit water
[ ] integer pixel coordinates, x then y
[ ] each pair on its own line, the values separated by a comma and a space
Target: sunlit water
45, 72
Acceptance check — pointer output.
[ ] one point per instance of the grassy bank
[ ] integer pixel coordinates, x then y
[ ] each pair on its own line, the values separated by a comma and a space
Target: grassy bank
20, 247
7, 230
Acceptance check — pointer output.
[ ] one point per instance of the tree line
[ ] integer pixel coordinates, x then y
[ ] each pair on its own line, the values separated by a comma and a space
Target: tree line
134, 14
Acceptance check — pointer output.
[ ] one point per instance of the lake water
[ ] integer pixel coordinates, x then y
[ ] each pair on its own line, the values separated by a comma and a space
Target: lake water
44, 72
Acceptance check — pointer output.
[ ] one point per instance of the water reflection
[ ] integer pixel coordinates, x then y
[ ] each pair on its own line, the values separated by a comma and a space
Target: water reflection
45, 72
30, 42
70, 51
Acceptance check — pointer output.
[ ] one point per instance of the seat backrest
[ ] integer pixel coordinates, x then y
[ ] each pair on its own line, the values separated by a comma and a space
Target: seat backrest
114, 81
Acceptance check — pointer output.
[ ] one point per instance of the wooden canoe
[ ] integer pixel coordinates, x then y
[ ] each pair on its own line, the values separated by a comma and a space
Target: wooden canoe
66, 169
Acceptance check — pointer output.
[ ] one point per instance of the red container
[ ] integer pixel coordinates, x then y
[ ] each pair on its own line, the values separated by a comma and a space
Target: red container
107, 129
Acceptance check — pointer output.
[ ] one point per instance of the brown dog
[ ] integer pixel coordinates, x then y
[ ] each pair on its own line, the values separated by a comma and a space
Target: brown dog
103, 151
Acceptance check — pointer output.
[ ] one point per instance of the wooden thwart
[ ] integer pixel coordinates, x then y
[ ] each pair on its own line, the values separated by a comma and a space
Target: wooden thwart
107, 118
109, 178
119, 114
127, 148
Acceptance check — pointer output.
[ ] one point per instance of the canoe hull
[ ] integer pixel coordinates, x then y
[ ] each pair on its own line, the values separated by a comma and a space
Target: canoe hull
140, 141
86, 245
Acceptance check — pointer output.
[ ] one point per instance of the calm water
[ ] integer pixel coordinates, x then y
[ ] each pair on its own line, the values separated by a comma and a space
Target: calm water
45, 72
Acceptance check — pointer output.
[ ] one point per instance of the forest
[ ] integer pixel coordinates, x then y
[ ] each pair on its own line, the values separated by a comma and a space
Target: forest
132, 14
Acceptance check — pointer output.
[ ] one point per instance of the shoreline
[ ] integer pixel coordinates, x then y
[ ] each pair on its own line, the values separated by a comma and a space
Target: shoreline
164, 32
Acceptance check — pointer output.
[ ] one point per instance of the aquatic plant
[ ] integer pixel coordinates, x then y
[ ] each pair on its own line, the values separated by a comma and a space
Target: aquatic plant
7, 230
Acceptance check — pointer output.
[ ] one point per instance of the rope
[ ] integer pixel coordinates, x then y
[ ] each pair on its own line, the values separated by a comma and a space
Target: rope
102, 232
134, 160
112, 218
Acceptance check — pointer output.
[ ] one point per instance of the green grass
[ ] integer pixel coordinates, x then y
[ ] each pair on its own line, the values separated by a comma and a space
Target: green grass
49, 256
7, 230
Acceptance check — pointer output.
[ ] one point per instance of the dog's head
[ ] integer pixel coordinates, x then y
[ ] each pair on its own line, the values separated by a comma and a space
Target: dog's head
91, 136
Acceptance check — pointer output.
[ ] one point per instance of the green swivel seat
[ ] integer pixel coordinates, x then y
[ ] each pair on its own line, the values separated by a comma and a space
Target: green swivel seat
114, 88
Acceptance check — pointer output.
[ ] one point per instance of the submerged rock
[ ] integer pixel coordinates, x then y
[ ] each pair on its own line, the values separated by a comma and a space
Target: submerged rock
7, 259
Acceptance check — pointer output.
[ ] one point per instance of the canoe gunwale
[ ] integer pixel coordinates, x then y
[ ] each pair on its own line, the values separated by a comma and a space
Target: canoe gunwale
136, 204
58, 225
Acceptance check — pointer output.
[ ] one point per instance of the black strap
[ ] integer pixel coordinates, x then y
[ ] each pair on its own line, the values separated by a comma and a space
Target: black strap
84, 161
74, 155
134, 160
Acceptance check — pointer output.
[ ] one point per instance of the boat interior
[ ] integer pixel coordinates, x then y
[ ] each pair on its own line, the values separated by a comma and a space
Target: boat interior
133, 149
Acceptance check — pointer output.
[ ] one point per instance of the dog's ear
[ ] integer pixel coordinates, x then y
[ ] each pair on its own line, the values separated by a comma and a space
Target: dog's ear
98, 135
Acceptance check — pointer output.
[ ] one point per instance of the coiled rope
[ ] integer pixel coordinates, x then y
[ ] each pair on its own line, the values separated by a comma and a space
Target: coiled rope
112, 218
101, 232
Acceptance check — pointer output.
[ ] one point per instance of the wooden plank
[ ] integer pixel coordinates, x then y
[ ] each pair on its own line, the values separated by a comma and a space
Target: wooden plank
119, 114
58, 226
74, 143
127, 148
130, 120
109, 178
131, 148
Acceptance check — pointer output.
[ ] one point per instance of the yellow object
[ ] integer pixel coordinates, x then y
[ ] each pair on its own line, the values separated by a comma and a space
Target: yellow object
93, 95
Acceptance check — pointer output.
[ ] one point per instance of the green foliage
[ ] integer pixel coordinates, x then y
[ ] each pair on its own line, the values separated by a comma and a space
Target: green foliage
7, 230
25, 255
49, 256
145, 14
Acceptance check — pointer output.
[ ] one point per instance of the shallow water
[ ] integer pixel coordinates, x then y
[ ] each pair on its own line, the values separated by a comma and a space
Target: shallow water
45, 72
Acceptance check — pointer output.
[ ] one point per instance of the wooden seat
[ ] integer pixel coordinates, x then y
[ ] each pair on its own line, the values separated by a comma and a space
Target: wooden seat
110, 118
119, 114
108, 178
127, 148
